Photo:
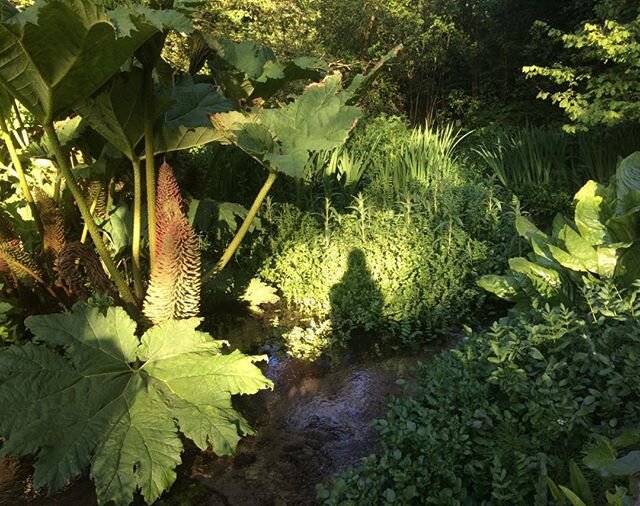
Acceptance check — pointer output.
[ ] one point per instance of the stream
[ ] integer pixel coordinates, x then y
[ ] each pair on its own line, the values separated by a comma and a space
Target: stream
314, 423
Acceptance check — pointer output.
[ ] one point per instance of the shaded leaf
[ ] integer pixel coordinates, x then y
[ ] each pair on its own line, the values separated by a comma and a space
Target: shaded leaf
193, 104
56, 54
177, 139
628, 184
361, 82
573, 498
117, 403
505, 287
117, 113
579, 484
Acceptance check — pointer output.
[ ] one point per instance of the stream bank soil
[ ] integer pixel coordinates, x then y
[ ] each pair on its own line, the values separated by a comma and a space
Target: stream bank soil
316, 422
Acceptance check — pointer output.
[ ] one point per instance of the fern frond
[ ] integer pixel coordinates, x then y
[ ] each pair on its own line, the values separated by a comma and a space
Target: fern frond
74, 256
52, 224
19, 263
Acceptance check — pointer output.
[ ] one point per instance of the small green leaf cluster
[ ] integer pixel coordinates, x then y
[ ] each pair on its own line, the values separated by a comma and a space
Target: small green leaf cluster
311, 341
493, 418
600, 86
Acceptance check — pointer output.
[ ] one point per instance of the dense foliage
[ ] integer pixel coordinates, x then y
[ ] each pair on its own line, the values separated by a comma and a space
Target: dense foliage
600, 242
599, 85
98, 101
393, 274
492, 418
156, 149
394, 246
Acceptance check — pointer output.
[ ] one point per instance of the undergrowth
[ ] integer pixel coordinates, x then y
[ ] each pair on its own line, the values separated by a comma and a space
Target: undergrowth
508, 407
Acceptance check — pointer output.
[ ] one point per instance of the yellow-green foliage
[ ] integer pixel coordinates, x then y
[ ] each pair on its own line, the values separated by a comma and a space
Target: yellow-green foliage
407, 279
605, 93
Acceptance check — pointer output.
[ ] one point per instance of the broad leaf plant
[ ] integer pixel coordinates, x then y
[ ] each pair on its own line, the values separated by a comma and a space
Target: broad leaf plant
602, 241
88, 108
117, 402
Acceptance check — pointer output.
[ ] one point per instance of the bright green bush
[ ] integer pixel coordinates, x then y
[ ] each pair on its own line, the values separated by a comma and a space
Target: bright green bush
404, 275
509, 406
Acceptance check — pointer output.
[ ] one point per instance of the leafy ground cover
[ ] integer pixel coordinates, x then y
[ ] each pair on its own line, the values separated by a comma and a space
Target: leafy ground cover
158, 170
491, 419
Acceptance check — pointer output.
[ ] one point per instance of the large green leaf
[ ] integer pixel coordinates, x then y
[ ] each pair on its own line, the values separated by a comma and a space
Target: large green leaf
547, 282
505, 287
626, 227
628, 183
126, 17
580, 249
186, 123
250, 70
193, 102
117, 113
625, 466
169, 139
361, 83
248, 56
57, 53
567, 260
607, 260
579, 484
276, 74
528, 230
119, 227
208, 215
573, 498
592, 213
117, 403
285, 138
628, 266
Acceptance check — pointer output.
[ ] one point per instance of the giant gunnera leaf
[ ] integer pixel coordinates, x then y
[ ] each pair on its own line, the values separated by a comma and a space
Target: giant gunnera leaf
91, 393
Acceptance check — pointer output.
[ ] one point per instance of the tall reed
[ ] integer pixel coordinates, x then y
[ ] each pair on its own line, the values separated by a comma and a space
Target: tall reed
527, 156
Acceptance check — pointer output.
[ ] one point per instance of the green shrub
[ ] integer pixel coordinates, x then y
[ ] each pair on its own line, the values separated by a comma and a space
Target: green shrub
310, 342
404, 275
492, 418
